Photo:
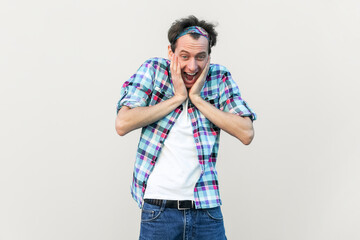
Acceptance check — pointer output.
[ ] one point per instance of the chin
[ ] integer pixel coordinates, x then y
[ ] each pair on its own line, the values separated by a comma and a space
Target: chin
188, 86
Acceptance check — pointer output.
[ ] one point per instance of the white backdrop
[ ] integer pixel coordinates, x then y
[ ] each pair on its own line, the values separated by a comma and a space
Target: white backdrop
65, 174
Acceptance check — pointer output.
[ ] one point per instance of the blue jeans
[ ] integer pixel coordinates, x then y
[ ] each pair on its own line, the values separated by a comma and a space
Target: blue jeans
160, 223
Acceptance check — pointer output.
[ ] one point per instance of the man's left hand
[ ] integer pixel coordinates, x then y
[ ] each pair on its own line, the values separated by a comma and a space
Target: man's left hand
198, 85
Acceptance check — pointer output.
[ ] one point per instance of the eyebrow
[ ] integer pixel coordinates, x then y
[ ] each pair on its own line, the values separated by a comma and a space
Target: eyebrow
183, 51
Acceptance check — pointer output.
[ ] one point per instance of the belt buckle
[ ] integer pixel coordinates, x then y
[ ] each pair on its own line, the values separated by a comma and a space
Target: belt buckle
179, 208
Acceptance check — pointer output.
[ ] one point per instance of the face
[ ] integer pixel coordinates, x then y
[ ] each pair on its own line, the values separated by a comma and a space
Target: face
193, 55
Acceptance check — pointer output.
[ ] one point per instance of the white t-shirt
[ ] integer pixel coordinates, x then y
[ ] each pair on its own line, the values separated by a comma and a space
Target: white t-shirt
177, 168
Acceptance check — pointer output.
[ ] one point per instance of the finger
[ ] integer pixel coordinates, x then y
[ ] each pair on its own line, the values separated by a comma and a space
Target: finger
178, 66
174, 63
205, 70
208, 62
204, 73
171, 62
174, 69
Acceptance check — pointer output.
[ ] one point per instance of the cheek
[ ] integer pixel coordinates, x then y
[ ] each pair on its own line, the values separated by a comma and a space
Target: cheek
182, 65
202, 65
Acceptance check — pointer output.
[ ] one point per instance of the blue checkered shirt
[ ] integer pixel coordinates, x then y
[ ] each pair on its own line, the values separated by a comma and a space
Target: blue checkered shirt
150, 85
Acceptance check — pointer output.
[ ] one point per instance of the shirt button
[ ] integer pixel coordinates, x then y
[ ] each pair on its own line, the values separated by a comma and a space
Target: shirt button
196, 140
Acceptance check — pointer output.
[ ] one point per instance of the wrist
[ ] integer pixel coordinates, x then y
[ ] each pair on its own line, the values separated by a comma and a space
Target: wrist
195, 98
179, 98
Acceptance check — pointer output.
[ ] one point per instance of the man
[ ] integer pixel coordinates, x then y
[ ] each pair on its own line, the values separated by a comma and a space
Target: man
181, 104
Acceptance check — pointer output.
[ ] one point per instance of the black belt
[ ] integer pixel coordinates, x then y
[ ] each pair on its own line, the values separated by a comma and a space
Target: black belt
180, 205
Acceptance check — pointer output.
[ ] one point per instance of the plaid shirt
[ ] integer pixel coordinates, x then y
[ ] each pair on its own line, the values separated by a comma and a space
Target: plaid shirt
150, 85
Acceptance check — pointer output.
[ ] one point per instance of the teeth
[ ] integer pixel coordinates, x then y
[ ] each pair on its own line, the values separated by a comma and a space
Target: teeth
191, 74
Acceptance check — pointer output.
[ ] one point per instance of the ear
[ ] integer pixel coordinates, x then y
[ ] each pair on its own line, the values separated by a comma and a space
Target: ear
170, 52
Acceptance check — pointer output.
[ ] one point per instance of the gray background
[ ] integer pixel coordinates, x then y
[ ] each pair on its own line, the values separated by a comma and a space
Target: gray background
65, 174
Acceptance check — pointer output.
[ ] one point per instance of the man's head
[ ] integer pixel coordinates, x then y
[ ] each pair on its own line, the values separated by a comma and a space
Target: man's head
192, 45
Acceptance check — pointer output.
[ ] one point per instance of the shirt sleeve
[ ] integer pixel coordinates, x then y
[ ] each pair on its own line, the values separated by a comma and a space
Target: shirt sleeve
230, 98
136, 91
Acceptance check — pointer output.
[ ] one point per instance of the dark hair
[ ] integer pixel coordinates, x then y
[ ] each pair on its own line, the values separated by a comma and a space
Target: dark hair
179, 25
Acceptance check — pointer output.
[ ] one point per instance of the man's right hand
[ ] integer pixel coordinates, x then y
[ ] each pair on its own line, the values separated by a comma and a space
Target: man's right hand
129, 119
177, 80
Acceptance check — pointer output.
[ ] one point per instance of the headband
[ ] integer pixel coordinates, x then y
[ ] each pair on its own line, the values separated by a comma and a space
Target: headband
194, 29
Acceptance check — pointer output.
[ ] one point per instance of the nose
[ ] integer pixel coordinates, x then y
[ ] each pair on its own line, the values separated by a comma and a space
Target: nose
192, 65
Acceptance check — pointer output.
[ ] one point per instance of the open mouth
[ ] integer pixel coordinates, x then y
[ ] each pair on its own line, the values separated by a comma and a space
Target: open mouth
190, 77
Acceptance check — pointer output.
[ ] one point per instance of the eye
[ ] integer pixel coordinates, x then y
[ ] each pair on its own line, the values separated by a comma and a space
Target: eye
202, 57
184, 57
